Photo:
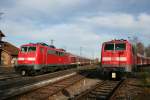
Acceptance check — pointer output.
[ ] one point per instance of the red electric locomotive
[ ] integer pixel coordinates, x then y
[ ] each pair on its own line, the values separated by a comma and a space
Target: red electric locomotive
41, 57
120, 56
117, 55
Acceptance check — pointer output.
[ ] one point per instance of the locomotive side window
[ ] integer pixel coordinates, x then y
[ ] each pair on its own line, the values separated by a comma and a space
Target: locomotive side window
120, 46
109, 47
57, 53
51, 52
62, 54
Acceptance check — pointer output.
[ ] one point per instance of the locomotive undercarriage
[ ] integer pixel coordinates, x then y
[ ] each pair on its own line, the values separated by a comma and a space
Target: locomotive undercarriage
115, 72
27, 70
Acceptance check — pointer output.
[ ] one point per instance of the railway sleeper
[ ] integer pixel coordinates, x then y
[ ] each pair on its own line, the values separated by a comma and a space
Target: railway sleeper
103, 90
96, 97
105, 87
100, 93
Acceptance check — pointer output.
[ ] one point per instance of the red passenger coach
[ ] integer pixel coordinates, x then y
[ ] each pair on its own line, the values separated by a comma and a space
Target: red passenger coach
142, 60
117, 55
41, 57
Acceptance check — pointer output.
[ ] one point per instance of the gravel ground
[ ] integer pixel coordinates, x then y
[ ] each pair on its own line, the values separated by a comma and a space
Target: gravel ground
6, 69
133, 89
129, 90
75, 89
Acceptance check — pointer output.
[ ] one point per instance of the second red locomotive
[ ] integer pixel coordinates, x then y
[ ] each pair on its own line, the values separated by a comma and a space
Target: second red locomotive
120, 56
41, 57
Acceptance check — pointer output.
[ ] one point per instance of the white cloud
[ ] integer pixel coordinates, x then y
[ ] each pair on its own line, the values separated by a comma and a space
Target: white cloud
120, 23
80, 32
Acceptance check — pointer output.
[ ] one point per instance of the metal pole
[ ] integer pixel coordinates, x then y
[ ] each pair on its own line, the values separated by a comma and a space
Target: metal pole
52, 41
1, 13
80, 51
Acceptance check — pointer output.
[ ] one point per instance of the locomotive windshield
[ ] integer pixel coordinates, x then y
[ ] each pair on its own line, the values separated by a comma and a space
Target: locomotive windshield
109, 47
120, 46
28, 49
117, 46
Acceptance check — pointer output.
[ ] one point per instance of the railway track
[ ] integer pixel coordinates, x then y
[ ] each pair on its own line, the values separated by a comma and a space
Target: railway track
11, 79
102, 91
51, 89
13, 76
9, 76
16, 86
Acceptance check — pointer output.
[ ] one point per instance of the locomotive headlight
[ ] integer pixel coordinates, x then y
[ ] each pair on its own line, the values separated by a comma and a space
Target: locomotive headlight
113, 75
20, 58
31, 59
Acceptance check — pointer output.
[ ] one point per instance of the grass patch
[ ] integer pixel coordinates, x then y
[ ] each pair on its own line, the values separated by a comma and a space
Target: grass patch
145, 79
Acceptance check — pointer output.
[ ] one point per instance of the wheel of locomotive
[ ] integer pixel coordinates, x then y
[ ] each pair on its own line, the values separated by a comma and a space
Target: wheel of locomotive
33, 73
23, 72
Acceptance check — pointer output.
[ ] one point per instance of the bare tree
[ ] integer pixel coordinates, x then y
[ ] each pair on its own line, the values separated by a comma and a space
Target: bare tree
138, 45
140, 48
147, 51
1, 13
134, 40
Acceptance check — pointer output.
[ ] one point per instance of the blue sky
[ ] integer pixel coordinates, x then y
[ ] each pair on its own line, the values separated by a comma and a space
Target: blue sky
75, 23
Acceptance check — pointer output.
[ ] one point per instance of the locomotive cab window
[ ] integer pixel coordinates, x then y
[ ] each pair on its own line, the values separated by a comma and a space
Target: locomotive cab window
120, 46
109, 47
31, 49
24, 49
28, 49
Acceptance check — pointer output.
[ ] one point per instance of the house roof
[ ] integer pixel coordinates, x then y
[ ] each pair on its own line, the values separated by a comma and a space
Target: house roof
11, 49
2, 34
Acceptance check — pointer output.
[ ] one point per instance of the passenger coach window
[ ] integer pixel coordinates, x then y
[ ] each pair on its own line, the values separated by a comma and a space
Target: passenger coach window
120, 46
109, 47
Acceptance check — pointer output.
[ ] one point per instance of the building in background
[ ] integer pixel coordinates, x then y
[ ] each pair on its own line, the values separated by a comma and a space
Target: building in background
1, 44
8, 52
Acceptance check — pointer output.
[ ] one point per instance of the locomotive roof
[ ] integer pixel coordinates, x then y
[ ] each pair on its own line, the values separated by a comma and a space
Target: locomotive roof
117, 41
56, 49
45, 45
29, 44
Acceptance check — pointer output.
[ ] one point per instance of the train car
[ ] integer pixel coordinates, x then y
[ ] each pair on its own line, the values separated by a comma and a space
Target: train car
142, 60
40, 57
